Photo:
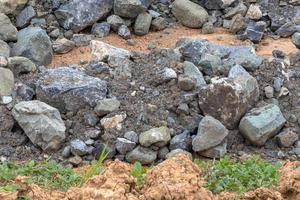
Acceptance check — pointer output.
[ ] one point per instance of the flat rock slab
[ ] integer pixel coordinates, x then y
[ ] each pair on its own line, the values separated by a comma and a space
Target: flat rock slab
262, 123
69, 89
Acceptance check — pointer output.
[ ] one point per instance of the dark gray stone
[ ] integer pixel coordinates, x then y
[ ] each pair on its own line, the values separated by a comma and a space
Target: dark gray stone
8, 32
181, 141
286, 30
124, 32
141, 154
255, 31
20, 65
142, 23
101, 29
79, 148
124, 146
130, 8
25, 16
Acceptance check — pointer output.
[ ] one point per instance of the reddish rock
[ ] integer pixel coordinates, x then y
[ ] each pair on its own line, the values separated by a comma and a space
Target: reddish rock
287, 137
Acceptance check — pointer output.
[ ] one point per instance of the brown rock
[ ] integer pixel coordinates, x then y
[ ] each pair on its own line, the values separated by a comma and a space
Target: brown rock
287, 137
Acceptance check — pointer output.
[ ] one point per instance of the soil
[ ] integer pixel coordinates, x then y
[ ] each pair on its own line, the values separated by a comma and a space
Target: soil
174, 179
168, 39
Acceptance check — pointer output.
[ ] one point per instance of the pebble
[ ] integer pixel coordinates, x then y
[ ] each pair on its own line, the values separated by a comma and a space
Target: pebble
269, 92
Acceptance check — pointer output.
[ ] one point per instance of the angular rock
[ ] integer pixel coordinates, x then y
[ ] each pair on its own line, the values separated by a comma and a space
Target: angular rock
35, 44
113, 122
189, 14
190, 70
12, 6
142, 24
25, 16
24, 92
130, 8
101, 29
81, 40
8, 32
124, 146
229, 99
181, 141
63, 45
4, 49
237, 23
156, 136
132, 136
254, 12
6, 120
41, 123
79, 148
216, 152
177, 152
20, 65
69, 89
208, 28
217, 4
103, 52
106, 106
239, 9
141, 154
100, 147
210, 64
211, 133
77, 15
262, 123
7, 81
255, 31
186, 83
286, 30
237, 71
124, 32
115, 22
296, 40
158, 24
287, 138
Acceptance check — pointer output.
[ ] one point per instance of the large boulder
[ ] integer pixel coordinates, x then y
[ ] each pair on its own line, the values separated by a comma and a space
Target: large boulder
211, 133
130, 8
35, 44
7, 81
229, 99
12, 6
156, 136
189, 14
262, 123
69, 89
8, 32
77, 14
41, 123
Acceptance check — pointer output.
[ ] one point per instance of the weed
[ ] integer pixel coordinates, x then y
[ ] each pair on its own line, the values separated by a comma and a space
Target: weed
8, 189
227, 175
138, 172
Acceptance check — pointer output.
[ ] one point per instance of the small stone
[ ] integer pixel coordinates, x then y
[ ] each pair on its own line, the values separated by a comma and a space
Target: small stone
92, 133
254, 12
158, 24
237, 71
181, 141
176, 152
208, 28
78, 147
91, 119
101, 29
183, 108
142, 24
132, 136
237, 23
115, 22
124, 32
162, 153
8, 32
296, 40
24, 17
63, 45
107, 106
6, 100
66, 152
286, 30
141, 154
76, 160
186, 83
21, 65
280, 155
99, 148
287, 138
215, 152
269, 92
277, 84
124, 146
89, 142
156, 136
114, 122
7, 81
192, 71
82, 40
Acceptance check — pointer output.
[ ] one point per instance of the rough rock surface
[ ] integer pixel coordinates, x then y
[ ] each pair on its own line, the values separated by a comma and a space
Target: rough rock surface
7, 81
130, 8
11, 6
156, 136
141, 154
41, 123
8, 32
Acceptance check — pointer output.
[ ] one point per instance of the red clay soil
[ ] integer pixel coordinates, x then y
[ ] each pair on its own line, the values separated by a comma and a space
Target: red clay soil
168, 39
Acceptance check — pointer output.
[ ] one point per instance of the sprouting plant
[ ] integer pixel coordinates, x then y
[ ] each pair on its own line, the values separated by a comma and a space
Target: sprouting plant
138, 172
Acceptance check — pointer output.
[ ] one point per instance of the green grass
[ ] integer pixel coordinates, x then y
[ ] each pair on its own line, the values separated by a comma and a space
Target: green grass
138, 172
226, 175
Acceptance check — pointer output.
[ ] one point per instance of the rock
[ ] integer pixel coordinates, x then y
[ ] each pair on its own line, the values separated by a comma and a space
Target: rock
132, 136
12, 6
100, 147
237, 71
186, 83
6, 100
286, 30
217, 4
124, 32
181, 141
155, 136
63, 45
91, 119
20, 65
66, 153
6, 120
76, 160
162, 153
216, 152
35, 44
41, 123
183, 108
7, 81
113, 122
130, 8
277, 84
8, 32
261, 123
24, 92
296, 40
81, 40
55, 33
3, 60
211, 133
24, 17
142, 24
115, 22
4, 49
124, 146
210, 64
255, 31
103, 52
189, 14
106, 106
177, 152
287, 138
208, 28
164, 75
190, 70
69, 89
239, 9
77, 15
254, 12
228, 100
158, 24
141, 154
79, 148
269, 92
101, 29
237, 23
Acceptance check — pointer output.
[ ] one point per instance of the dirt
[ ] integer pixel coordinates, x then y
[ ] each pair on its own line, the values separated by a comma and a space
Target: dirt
168, 39
177, 178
